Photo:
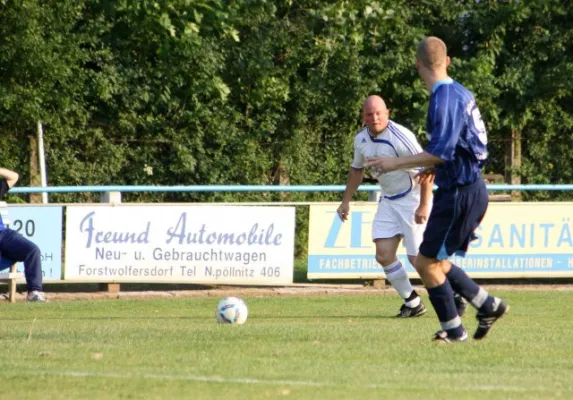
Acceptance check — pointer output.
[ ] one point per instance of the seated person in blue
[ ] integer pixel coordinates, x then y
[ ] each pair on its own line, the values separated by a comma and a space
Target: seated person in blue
17, 248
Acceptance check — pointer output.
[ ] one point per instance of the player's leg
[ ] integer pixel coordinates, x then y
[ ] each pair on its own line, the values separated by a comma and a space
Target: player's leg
441, 295
386, 234
489, 308
412, 237
18, 248
461, 303
433, 270
398, 277
472, 205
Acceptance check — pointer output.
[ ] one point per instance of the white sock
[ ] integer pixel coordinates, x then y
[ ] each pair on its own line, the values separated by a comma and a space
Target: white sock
396, 274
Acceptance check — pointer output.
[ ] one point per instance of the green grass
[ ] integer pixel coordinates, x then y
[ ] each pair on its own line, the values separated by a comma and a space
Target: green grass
325, 347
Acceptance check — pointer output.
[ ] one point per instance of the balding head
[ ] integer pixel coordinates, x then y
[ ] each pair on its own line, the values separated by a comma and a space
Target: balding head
374, 101
432, 53
375, 114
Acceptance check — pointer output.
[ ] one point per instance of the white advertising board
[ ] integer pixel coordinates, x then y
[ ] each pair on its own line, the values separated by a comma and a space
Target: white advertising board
187, 244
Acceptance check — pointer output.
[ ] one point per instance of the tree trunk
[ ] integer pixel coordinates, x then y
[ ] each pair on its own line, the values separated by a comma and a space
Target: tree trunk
515, 163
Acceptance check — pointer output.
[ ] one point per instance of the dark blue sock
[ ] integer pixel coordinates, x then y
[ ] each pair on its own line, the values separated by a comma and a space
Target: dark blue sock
442, 298
469, 290
462, 283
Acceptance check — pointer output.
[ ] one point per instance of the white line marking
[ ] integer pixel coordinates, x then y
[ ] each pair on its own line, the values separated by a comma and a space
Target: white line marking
195, 378
272, 382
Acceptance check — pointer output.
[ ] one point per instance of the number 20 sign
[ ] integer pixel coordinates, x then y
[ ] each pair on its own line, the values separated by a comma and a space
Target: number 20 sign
42, 225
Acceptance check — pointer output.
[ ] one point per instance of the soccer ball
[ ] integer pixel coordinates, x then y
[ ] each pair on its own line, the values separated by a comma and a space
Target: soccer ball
231, 310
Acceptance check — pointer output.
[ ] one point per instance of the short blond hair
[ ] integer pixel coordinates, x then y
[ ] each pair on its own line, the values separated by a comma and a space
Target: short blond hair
432, 52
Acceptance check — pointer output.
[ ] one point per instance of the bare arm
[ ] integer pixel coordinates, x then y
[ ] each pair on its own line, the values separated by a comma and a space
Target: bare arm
10, 176
426, 189
354, 180
422, 159
423, 211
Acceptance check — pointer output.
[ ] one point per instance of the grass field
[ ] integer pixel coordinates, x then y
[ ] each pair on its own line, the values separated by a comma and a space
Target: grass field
324, 347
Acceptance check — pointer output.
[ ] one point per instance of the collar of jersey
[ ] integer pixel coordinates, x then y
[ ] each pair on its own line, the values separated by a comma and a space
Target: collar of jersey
441, 82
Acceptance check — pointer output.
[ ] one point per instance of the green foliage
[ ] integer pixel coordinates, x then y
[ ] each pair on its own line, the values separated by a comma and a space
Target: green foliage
530, 46
267, 92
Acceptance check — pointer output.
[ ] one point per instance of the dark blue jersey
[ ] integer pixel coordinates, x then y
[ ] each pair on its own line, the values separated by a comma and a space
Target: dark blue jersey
457, 135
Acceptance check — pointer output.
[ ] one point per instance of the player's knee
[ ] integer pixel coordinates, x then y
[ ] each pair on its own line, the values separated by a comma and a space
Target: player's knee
385, 258
425, 266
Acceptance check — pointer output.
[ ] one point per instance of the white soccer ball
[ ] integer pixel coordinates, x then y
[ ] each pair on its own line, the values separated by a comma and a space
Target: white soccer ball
231, 310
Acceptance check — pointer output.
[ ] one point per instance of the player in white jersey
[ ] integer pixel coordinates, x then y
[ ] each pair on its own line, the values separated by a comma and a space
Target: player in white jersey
404, 204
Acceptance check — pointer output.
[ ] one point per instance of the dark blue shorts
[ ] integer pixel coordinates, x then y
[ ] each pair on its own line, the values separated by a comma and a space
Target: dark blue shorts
456, 214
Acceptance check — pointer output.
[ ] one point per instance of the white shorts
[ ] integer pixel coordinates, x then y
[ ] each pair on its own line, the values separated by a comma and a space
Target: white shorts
393, 219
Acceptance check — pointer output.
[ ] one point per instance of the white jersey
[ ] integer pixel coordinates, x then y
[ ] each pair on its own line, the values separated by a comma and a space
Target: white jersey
394, 141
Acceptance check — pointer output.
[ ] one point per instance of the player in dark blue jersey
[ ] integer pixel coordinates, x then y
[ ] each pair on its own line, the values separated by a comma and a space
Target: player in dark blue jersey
17, 248
454, 157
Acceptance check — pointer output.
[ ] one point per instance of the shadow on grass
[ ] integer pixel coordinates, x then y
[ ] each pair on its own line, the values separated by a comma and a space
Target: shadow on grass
75, 287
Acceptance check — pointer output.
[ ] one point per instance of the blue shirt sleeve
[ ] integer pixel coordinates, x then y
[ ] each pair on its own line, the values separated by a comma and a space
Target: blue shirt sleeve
444, 124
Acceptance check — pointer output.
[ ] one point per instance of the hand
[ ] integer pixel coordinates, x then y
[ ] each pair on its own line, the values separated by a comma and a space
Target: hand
343, 210
422, 213
426, 176
384, 164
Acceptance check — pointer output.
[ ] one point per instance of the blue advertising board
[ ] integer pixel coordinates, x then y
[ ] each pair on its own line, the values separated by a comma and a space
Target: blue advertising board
42, 224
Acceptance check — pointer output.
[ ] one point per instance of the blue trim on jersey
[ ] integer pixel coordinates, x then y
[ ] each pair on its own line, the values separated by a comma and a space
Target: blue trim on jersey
402, 138
384, 141
441, 82
443, 253
400, 195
